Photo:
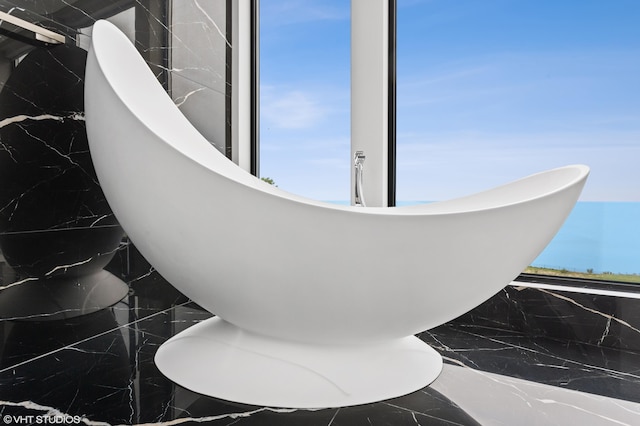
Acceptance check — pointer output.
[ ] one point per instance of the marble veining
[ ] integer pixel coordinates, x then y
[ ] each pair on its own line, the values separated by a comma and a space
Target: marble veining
22, 281
608, 317
47, 179
53, 412
212, 22
182, 99
79, 116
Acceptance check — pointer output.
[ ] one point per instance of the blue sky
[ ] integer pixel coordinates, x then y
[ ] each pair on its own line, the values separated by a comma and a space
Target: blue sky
488, 91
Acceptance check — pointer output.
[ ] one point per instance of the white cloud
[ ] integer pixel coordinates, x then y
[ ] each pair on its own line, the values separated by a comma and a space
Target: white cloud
302, 11
291, 110
437, 166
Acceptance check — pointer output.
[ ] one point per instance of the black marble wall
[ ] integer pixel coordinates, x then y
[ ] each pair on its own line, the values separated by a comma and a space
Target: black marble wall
54, 219
57, 231
56, 228
600, 315
53, 211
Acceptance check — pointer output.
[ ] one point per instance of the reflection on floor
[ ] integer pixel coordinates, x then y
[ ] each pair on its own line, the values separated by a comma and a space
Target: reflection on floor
98, 369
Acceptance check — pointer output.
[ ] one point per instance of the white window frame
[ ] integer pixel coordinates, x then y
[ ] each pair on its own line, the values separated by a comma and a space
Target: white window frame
373, 94
245, 89
373, 98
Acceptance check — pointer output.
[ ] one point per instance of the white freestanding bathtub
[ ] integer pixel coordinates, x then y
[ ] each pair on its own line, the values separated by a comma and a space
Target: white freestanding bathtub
316, 304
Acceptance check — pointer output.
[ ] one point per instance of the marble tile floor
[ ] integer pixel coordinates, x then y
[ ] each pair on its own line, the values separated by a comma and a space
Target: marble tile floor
98, 369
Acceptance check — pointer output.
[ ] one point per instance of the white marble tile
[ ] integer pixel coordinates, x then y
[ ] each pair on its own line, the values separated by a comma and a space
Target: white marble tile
203, 107
199, 42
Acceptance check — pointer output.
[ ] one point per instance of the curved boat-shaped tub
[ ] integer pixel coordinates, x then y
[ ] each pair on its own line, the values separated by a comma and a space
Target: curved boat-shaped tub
316, 303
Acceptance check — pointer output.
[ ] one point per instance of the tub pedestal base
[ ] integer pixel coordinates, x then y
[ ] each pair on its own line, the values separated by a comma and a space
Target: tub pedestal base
218, 359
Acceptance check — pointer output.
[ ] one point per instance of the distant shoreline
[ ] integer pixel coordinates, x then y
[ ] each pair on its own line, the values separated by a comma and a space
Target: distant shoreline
608, 276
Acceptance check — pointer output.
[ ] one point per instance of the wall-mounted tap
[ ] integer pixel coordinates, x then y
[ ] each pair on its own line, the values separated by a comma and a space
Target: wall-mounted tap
358, 163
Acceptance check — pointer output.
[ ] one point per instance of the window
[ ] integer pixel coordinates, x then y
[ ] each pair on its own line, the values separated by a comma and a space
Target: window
489, 91
305, 96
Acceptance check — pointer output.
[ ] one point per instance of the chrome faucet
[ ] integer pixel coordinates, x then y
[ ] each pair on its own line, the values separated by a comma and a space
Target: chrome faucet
358, 163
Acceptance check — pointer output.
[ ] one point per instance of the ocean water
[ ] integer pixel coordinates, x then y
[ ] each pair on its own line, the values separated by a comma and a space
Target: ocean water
597, 236
603, 236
